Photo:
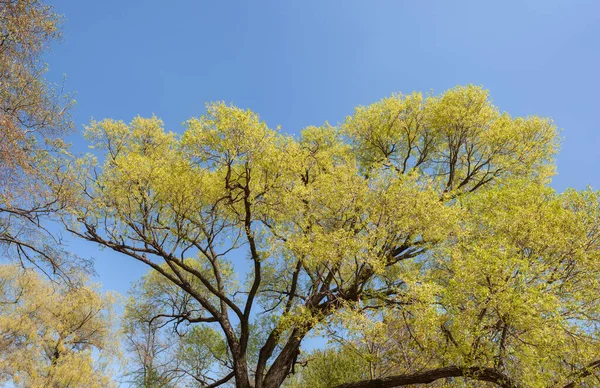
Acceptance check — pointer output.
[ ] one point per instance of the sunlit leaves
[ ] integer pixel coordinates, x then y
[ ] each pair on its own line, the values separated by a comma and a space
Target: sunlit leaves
422, 223
459, 138
53, 335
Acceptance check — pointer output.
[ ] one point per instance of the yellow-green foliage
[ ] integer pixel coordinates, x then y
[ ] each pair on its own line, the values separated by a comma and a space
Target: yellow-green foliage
422, 220
53, 335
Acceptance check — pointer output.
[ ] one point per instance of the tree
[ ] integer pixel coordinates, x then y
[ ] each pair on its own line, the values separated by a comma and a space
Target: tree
427, 213
33, 115
52, 335
329, 368
165, 353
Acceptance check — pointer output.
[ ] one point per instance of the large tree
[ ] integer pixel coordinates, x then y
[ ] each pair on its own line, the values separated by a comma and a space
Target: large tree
33, 115
428, 216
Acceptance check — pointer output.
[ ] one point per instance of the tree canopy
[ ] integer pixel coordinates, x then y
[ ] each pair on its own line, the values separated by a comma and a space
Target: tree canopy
419, 239
54, 329
34, 115
426, 221
53, 335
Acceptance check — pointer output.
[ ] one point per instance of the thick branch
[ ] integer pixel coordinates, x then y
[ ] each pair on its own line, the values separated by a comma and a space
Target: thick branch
482, 374
585, 372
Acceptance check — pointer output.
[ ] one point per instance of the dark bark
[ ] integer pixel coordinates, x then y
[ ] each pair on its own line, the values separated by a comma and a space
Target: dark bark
589, 369
490, 375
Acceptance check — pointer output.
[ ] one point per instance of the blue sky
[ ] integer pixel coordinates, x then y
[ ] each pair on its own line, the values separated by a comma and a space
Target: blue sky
300, 63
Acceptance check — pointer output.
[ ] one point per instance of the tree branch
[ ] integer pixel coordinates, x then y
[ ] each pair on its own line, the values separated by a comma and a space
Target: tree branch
490, 375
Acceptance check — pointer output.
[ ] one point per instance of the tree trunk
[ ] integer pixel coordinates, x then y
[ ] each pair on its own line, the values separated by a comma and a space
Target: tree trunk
240, 369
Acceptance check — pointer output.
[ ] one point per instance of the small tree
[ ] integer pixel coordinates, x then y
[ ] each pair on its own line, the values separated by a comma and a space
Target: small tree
164, 352
52, 335
427, 213
329, 368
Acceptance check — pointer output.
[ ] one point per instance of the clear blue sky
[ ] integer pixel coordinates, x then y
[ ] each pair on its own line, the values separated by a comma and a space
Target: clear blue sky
299, 63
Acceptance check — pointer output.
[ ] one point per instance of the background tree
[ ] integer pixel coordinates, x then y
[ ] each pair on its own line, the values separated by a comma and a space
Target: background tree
330, 367
33, 116
165, 352
53, 335
430, 213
